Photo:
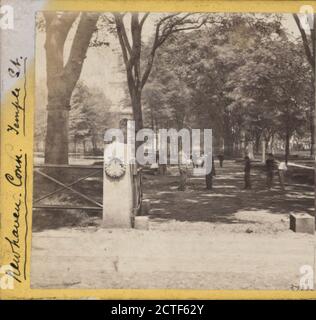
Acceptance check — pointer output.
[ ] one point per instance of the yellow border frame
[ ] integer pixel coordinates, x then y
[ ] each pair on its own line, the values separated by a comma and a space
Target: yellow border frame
23, 291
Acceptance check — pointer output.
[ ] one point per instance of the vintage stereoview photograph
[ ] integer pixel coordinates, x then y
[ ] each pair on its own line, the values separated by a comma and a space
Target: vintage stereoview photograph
173, 151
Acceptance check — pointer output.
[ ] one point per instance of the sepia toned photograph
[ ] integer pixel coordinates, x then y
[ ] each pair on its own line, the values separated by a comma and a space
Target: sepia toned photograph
174, 151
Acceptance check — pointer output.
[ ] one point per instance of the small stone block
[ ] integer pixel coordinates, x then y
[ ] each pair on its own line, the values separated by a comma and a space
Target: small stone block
302, 222
141, 223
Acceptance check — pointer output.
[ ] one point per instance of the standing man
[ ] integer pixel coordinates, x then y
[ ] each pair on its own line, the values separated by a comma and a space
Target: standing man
270, 165
221, 160
282, 170
247, 173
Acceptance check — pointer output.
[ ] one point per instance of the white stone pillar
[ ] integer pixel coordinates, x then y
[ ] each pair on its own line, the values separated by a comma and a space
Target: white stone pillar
117, 188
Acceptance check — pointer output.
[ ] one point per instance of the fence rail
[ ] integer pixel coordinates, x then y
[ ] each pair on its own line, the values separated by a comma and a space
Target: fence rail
64, 186
95, 205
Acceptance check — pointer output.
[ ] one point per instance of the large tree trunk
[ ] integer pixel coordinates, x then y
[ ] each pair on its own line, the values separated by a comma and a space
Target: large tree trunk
62, 78
137, 109
56, 144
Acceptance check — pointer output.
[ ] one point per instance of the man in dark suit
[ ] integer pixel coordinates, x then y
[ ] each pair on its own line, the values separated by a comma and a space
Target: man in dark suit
270, 166
247, 173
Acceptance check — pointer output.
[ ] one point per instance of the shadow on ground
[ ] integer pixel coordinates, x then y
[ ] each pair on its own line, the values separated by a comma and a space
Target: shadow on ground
227, 197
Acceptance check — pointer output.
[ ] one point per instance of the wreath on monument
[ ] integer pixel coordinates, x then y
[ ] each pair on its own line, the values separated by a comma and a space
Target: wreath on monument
115, 168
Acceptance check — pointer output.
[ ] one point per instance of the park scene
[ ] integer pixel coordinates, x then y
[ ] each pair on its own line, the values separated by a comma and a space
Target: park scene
102, 222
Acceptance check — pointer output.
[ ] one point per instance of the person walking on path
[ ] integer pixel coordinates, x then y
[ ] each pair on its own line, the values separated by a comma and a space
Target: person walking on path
247, 173
209, 176
270, 166
282, 170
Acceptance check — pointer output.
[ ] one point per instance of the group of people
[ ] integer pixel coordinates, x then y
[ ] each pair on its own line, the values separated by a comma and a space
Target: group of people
270, 166
183, 169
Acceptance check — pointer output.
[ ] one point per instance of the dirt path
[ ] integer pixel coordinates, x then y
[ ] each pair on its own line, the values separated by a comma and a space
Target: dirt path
227, 203
226, 238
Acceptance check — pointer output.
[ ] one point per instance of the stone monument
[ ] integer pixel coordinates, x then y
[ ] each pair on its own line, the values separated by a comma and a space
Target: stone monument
118, 180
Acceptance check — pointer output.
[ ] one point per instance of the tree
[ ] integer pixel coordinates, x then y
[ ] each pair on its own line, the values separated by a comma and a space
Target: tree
89, 115
272, 91
138, 71
308, 40
184, 76
202, 61
235, 82
153, 96
309, 44
171, 95
62, 76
